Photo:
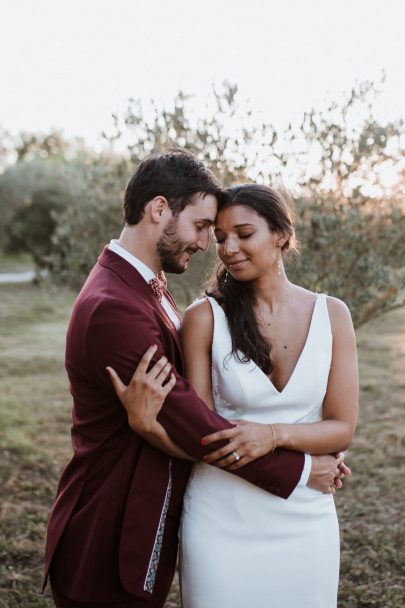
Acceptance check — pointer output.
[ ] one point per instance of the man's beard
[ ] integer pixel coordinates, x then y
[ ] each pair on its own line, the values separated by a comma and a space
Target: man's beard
170, 247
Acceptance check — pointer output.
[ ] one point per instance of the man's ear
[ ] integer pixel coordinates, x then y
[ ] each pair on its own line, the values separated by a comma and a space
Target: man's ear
159, 209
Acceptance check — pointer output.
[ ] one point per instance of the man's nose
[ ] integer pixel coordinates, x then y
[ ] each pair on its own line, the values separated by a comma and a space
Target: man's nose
203, 241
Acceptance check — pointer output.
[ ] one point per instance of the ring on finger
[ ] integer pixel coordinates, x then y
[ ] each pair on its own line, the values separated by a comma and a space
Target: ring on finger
236, 456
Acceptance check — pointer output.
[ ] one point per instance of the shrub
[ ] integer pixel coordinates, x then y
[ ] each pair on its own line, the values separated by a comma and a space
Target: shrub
18, 185
356, 253
89, 222
351, 224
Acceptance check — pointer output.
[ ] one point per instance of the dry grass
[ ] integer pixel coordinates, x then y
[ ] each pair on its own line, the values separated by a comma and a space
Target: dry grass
371, 506
34, 442
34, 415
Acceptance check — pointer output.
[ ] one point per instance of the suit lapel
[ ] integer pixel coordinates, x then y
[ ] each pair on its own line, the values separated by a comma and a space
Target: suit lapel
114, 262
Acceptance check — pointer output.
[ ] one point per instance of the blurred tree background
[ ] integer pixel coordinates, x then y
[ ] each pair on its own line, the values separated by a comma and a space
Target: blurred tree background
343, 172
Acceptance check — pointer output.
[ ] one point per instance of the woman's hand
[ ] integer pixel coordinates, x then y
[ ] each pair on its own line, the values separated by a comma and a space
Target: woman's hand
144, 396
247, 441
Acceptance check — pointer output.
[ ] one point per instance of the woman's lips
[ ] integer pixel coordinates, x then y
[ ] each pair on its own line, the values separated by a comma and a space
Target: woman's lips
237, 265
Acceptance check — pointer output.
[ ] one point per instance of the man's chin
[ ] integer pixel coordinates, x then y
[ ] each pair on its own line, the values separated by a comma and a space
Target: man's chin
183, 267
180, 269
175, 268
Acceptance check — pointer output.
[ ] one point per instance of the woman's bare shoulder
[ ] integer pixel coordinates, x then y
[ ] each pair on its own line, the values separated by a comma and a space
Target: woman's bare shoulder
337, 307
339, 314
198, 316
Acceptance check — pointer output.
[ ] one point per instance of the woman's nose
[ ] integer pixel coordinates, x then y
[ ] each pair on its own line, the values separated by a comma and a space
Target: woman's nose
230, 246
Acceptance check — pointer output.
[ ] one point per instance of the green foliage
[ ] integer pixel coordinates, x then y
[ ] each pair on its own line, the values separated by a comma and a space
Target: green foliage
23, 186
350, 222
353, 252
351, 225
40, 182
62, 213
33, 225
90, 221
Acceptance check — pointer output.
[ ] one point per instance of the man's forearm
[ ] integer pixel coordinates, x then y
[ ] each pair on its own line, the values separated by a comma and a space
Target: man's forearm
159, 438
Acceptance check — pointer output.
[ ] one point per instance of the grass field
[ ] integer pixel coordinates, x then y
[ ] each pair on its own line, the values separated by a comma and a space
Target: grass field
34, 441
15, 263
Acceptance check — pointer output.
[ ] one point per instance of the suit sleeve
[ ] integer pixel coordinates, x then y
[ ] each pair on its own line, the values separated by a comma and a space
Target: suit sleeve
118, 337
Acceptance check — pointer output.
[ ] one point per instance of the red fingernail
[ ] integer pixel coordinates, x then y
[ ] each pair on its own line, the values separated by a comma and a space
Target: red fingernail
203, 442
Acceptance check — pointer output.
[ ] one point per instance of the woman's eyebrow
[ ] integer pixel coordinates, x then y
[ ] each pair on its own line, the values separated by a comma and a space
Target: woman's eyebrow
238, 226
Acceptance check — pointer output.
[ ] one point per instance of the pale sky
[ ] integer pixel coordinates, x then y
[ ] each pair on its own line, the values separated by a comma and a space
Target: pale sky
70, 63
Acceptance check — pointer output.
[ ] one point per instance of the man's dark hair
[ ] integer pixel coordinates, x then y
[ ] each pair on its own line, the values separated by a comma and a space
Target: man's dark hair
175, 174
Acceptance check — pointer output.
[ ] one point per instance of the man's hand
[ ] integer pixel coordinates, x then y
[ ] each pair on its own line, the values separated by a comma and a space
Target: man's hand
144, 396
326, 472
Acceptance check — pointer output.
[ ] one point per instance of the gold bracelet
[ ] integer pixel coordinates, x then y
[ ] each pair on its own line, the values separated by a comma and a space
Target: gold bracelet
274, 439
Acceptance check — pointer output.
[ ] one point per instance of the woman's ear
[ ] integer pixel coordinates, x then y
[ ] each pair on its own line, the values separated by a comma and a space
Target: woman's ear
282, 239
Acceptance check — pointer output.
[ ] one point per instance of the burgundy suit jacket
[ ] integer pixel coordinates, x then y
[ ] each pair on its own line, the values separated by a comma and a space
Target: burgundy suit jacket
112, 532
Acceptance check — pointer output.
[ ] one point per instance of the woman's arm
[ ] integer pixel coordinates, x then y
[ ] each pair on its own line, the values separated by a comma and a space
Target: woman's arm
333, 434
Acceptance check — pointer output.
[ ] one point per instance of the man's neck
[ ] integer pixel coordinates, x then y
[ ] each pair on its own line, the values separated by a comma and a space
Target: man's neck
140, 245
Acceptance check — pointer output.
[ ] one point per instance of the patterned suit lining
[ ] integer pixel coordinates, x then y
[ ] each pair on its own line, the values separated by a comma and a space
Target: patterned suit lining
157, 546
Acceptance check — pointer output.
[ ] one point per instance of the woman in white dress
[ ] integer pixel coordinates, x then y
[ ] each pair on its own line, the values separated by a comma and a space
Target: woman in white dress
262, 349
293, 365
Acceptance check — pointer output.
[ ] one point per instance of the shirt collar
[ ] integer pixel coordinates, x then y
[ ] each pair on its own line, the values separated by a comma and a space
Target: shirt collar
142, 268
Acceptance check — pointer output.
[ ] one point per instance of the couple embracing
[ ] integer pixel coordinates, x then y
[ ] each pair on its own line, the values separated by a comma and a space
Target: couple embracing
257, 388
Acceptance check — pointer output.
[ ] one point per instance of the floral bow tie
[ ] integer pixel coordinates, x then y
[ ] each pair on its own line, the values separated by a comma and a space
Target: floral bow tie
158, 285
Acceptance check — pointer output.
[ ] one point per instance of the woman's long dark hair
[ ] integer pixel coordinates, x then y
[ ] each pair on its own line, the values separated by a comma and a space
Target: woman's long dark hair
237, 298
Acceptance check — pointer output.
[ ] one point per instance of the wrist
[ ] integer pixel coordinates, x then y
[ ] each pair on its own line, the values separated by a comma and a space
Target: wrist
273, 438
154, 430
281, 434
140, 426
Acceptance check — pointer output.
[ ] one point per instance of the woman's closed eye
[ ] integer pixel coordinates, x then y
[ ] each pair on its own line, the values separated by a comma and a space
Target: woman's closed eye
219, 239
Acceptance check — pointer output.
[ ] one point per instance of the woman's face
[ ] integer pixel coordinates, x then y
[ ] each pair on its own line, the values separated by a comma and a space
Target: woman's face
245, 244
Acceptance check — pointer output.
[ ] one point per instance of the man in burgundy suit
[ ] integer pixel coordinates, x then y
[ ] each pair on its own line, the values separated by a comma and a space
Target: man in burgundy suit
112, 532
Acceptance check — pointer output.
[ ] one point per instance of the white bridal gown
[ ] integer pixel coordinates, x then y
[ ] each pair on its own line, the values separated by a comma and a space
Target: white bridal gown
242, 547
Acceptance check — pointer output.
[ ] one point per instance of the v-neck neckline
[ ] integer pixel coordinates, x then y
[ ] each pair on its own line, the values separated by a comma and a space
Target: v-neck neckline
293, 373
304, 348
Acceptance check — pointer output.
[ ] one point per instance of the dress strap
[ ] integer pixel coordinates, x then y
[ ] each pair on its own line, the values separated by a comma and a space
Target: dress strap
322, 331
